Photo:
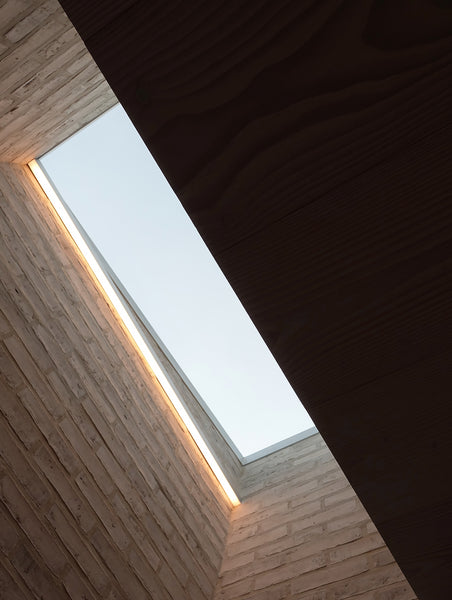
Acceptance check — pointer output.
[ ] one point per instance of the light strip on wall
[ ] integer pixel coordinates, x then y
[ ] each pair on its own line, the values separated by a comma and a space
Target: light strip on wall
110, 292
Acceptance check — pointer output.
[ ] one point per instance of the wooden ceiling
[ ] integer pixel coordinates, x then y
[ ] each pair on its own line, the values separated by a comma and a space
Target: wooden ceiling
309, 141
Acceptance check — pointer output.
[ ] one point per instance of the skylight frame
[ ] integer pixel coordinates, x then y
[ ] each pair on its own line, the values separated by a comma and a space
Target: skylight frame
108, 281
108, 287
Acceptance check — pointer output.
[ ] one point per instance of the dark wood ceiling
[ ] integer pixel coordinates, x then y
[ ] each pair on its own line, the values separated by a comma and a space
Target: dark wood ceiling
309, 141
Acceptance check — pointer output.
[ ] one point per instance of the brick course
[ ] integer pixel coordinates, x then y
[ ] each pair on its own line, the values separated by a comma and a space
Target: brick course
302, 533
49, 85
104, 493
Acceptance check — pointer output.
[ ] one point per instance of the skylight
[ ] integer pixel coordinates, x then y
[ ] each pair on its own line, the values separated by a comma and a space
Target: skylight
110, 181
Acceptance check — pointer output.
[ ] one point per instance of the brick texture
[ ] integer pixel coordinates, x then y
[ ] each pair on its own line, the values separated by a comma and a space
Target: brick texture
103, 493
302, 533
49, 85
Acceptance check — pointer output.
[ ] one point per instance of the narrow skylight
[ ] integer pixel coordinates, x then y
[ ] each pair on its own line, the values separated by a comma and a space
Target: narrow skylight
110, 181
134, 331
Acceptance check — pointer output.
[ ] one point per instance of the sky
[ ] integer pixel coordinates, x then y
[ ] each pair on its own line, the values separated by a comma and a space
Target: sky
112, 184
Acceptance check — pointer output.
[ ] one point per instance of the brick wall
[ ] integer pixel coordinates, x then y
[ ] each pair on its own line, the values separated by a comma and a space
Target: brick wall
50, 86
103, 494
302, 533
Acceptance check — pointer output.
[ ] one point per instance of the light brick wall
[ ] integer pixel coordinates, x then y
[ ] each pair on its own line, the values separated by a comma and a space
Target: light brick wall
103, 494
302, 533
50, 86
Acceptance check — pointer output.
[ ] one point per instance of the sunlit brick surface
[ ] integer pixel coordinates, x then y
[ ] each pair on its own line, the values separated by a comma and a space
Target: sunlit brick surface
302, 533
103, 493
49, 85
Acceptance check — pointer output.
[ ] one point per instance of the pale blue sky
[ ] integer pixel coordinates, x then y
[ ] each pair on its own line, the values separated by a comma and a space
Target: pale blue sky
114, 187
